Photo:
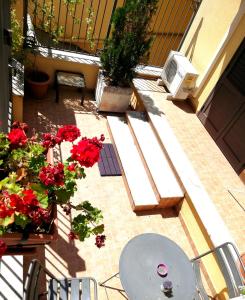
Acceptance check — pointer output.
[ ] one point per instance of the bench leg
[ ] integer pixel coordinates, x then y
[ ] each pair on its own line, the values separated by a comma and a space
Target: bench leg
82, 96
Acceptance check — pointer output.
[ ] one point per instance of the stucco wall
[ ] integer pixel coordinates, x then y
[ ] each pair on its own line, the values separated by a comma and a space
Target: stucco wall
214, 36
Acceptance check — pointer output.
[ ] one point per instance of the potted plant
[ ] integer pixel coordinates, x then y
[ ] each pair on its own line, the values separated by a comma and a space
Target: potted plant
30, 187
122, 52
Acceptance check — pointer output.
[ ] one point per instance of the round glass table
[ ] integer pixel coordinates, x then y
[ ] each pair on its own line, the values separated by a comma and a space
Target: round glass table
138, 269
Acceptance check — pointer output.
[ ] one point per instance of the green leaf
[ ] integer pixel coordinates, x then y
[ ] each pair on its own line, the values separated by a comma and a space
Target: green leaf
41, 194
94, 214
98, 229
22, 220
2, 230
63, 195
6, 221
3, 182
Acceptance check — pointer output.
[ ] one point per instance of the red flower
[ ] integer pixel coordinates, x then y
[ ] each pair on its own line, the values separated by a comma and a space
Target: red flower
52, 175
17, 137
20, 125
30, 198
72, 235
87, 151
100, 240
40, 215
68, 133
49, 140
72, 167
3, 248
5, 211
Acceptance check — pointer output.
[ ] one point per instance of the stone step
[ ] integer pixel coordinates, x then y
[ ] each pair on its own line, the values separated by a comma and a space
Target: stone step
138, 185
162, 175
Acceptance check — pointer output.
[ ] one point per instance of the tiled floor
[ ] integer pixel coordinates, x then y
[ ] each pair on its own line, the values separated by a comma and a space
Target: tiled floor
108, 193
64, 257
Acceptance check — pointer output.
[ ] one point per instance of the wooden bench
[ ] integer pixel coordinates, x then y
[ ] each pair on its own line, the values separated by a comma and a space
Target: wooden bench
67, 78
163, 177
138, 185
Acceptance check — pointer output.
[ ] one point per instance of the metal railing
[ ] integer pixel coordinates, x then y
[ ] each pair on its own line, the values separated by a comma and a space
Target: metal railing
81, 26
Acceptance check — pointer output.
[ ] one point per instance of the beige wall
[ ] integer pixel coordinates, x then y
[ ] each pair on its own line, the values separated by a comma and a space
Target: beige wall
49, 65
218, 25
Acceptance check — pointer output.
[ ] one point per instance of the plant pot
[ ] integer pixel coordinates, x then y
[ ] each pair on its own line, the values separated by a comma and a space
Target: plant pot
17, 242
112, 98
38, 83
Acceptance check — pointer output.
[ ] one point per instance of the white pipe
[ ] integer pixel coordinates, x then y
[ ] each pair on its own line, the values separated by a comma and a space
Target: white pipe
221, 47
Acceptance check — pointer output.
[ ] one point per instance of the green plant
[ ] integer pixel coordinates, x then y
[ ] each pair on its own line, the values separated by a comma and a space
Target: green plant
129, 42
30, 186
17, 37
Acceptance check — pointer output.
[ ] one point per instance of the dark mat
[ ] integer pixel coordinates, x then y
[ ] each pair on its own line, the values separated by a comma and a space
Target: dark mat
108, 163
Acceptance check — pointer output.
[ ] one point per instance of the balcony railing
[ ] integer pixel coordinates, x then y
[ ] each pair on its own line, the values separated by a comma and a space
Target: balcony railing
81, 26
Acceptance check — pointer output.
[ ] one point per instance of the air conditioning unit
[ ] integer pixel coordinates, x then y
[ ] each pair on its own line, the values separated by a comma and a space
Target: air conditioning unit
179, 75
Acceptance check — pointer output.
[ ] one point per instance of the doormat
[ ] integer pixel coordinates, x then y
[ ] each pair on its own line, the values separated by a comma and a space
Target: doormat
108, 163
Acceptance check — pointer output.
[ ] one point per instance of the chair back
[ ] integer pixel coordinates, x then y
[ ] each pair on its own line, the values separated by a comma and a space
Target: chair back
230, 264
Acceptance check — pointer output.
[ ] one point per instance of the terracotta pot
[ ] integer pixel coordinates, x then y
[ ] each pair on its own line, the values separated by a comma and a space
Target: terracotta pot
38, 83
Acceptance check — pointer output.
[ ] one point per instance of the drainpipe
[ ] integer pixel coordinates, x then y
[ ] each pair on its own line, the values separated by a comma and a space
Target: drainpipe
221, 47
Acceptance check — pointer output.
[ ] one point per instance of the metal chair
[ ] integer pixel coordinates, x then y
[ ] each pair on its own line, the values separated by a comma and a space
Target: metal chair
230, 264
65, 288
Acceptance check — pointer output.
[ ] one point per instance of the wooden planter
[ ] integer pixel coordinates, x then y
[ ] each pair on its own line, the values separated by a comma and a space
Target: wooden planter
18, 244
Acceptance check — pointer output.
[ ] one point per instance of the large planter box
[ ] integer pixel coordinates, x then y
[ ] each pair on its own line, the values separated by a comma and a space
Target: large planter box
17, 240
19, 244
112, 98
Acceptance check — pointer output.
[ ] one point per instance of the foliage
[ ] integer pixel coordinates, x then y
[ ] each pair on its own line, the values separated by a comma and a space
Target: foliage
30, 186
129, 42
17, 37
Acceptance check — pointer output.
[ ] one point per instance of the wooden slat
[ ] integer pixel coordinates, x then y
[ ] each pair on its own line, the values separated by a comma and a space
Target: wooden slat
140, 190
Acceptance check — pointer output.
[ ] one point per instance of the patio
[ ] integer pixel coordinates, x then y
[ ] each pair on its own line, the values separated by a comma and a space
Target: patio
74, 258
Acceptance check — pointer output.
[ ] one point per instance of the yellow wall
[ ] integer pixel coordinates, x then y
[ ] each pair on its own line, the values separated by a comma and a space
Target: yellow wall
168, 24
214, 20
49, 65
17, 108
216, 284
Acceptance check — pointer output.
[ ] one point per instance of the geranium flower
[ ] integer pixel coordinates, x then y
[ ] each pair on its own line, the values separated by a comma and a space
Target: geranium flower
100, 240
52, 175
72, 235
68, 133
17, 137
30, 198
20, 125
49, 140
87, 151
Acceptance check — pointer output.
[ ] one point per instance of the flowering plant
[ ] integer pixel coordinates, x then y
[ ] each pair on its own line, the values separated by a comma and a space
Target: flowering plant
30, 186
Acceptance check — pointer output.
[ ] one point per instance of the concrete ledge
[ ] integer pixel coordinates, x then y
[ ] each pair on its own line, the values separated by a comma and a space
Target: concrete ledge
203, 204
